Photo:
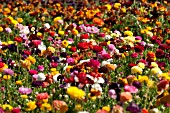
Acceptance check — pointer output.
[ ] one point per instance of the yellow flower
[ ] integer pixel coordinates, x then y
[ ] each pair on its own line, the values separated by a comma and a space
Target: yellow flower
136, 69
6, 77
20, 20
123, 10
117, 5
53, 69
156, 71
148, 28
106, 108
108, 6
75, 93
141, 65
93, 98
18, 82
25, 64
1, 29
51, 49
143, 79
129, 33
65, 43
46, 106
15, 22
10, 42
7, 10
142, 31
39, 34
78, 107
150, 83
61, 32
24, 96
7, 107
57, 18
154, 64
31, 59
31, 106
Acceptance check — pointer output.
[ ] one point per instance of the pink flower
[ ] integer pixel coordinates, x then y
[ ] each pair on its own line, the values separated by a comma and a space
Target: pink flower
112, 93
24, 90
101, 111
16, 110
40, 68
70, 60
32, 72
131, 89
134, 55
54, 64
110, 47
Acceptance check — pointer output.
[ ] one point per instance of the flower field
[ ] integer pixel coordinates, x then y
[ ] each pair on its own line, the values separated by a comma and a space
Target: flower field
84, 56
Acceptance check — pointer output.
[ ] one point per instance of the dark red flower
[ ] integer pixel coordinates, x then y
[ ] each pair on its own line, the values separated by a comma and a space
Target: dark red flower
18, 39
84, 36
106, 56
97, 48
54, 64
132, 64
163, 84
139, 48
83, 45
73, 49
163, 46
160, 53
27, 52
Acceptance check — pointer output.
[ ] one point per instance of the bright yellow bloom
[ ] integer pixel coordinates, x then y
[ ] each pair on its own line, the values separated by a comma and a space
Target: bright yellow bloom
150, 84
117, 5
31, 106
46, 106
143, 79
123, 10
6, 77
24, 96
148, 28
7, 107
129, 33
18, 82
39, 34
15, 22
78, 107
136, 69
31, 59
65, 43
154, 64
106, 108
57, 18
61, 32
108, 6
75, 32
1, 29
53, 69
10, 42
75, 93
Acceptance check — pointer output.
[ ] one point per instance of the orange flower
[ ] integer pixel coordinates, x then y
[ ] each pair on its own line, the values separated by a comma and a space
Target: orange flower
60, 106
98, 21
125, 96
168, 42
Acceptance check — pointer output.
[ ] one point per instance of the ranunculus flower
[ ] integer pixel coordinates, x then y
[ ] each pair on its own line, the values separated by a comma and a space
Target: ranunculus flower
83, 45
40, 68
60, 106
24, 91
111, 47
134, 55
15, 110
97, 48
125, 96
73, 49
42, 96
163, 84
41, 77
112, 93
101, 111
131, 89
133, 108
94, 63
32, 72
84, 36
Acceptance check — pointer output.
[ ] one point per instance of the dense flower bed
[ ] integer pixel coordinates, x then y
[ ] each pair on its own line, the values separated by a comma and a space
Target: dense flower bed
84, 56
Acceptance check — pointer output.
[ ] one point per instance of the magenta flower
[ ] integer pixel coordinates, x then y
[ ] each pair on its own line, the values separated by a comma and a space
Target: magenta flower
40, 68
8, 72
32, 72
134, 55
111, 47
131, 89
94, 63
70, 60
23, 90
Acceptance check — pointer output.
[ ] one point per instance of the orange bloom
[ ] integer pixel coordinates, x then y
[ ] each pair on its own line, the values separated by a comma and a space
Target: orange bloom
60, 106
168, 42
125, 96
98, 21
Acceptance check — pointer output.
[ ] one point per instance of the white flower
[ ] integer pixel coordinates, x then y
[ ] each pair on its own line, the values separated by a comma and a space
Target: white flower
42, 47
100, 80
41, 77
63, 49
76, 79
104, 63
82, 61
83, 112
47, 25
154, 110
97, 87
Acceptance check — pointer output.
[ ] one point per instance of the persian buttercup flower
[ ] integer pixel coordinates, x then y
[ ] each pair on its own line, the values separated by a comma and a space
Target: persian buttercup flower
60, 106
24, 90
8, 72
125, 96
42, 96
15, 110
31, 106
136, 69
40, 68
75, 93
101, 111
46, 106
117, 109
112, 93
94, 63
41, 77
7, 107
8, 30
131, 89
133, 108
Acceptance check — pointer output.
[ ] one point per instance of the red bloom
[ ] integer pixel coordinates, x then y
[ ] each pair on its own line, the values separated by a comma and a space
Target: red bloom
97, 48
18, 39
83, 45
51, 33
160, 53
139, 48
36, 42
1, 64
106, 56
73, 49
132, 64
16, 110
42, 96
32, 72
164, 84
84, 36
54, 64
27, 52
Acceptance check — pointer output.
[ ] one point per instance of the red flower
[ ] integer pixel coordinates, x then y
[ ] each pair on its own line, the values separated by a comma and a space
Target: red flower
54, 64
51, 33
84, 36
164, 84
132, 64
97, 48
139, 48
160, 53
42, 96
1, 64
36, 42
106, 56
73, 49
32, 72
16, 110
83, 45
18, 39
27, 52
